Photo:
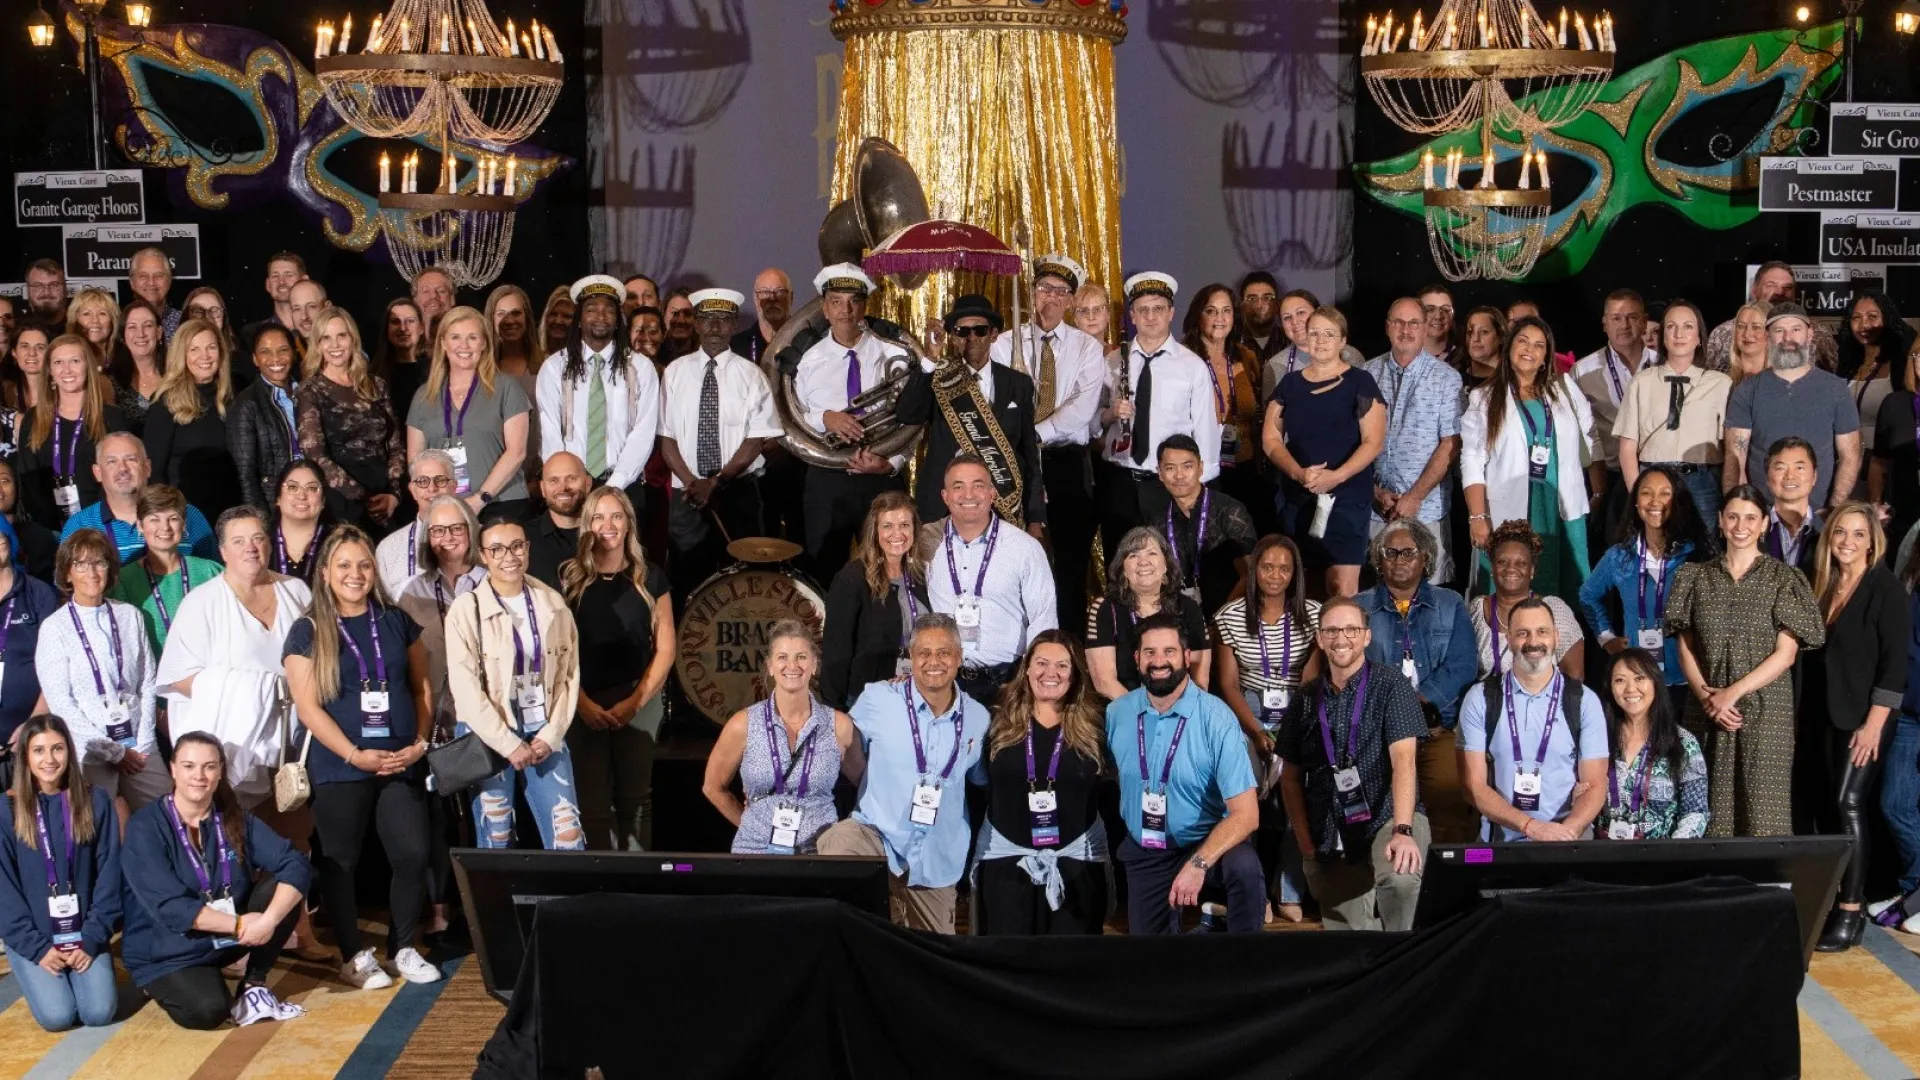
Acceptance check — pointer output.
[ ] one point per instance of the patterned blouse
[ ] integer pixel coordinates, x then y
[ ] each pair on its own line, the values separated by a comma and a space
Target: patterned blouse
1665, 810
814, 763
357, 443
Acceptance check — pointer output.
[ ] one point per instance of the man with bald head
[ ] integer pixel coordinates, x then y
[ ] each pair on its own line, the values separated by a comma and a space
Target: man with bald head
553, 535
773, 300
150, 275
307, 299
433, 295
121, 467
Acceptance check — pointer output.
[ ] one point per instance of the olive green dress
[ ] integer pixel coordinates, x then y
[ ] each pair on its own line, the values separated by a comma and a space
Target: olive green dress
1735, 625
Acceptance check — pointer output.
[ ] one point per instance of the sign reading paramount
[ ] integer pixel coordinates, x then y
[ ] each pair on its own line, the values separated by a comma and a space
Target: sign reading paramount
1800, 183
107, 197
1862, 130
722, 643
1881, 238
108, 250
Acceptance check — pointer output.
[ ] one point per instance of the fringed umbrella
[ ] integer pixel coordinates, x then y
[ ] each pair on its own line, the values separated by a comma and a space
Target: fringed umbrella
942, 245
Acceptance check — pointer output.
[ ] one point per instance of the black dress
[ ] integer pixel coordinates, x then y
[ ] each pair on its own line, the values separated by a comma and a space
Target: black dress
1010, 903
38, 494
616, 634
1113, 627
196, 456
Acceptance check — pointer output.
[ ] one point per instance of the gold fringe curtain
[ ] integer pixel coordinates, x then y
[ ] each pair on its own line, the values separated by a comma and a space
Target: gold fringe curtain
1004, 127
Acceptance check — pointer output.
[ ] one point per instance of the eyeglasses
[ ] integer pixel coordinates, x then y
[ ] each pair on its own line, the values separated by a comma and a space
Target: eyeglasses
1323, 335
442, 532
1090, 310
1393, 554
971, 331
1433, 308
1259, 298
198, 312
1053, 290
294, 487
1406, 324
497, 551
1338, 632
90, 565
432, 483
771, 294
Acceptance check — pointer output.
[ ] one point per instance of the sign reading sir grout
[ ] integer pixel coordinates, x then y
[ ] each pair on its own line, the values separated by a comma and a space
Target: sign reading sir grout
108, 250
1862, 130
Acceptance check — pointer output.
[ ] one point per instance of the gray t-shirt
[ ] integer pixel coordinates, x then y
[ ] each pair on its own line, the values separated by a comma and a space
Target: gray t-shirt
1815, 407
482, 432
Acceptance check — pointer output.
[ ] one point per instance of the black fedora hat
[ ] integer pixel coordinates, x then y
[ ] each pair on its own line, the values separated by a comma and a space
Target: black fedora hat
974, 304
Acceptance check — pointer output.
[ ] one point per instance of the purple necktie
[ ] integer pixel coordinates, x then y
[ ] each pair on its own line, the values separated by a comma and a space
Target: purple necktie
853, 376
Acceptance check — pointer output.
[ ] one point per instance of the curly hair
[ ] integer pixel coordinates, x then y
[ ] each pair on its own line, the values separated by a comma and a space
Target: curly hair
1417, 531
1516, 531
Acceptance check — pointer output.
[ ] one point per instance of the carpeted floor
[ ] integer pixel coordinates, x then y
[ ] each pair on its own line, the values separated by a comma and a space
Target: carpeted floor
1859, 1018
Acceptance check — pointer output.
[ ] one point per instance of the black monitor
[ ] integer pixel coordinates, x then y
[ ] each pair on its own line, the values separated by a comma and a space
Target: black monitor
1457, 876
501, 888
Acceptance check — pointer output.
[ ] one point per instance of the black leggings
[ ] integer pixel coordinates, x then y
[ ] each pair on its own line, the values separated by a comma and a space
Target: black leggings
197, 997
398, 807
1852, 791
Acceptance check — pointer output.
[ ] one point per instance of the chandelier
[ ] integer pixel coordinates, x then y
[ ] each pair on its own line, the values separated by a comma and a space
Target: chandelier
444, 73
1487, 63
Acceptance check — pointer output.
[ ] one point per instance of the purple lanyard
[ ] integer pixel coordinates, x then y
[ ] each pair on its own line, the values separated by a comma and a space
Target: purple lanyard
533, 624
1493, 624
919, 747
1613, 784
1546, 410
194, 860
379, 657
413, 551
280, 550
1660, 585
456, 427
1199, 533
776, 739
119, 677
1053, 766
953, 570
1221, 400
72, 446
1293, 355
1513, 723
1776, 537
1286, 648
186, 586
1166, 767
440, 597
1353, 723
1619, 391
46, 845
913, 609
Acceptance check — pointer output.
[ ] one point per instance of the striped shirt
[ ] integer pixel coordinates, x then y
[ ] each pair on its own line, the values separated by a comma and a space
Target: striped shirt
1289, 651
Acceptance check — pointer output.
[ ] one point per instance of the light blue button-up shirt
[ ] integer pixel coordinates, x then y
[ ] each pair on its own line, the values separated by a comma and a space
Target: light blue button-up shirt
1423, 407
930, 856
1559, 771
1210, 766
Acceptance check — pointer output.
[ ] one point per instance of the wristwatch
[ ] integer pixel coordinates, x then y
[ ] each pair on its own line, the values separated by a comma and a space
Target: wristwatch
1403, 830
1200, 862
486, 497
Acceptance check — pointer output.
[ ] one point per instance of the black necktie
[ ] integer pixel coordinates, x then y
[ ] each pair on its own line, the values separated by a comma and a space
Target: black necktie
1143, 409
1676, 397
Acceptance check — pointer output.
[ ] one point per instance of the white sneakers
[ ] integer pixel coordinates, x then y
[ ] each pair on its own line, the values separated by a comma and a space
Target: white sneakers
363, 972
414, 968
257, 1003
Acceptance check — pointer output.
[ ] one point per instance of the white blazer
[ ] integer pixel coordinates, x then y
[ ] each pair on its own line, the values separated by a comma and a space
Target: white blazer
1502, 467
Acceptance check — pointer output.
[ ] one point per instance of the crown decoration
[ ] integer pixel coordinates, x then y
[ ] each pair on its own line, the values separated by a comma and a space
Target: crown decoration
1094, 18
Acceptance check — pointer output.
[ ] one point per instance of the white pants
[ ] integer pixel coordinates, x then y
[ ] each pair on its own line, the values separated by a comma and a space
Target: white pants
1442, 568
151, 782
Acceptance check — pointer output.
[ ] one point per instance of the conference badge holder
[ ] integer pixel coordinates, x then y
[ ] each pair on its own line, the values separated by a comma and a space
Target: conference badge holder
926, 804
1622, 830
1408, 671
1044, 806
224, 906
376, 723
786, 829
120, 724
457, 450
902, 664
1153, 820
1191, 592
63, 911
966, 615
67, 497
531, 696
1526, 791
1229, 442
1353, 798
1655, 642
1537, 458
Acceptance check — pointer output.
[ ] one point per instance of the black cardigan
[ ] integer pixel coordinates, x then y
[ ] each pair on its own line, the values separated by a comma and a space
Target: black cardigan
862, 635
195, 457
260, 440
1866, 651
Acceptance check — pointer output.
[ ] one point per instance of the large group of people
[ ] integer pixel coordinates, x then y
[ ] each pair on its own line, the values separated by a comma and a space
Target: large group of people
1473, 588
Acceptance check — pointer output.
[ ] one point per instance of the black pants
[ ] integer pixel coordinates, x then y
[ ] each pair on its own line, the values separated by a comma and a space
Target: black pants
1010, 903
699, 547
1128, 498
1842, 806
398, 807
781, 489
835, 505
1150, 875
1071, 523
983, 684
197, 997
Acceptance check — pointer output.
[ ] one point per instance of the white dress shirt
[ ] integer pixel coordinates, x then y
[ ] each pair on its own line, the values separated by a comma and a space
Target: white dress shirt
1604, 376
1079, 370
633, 412
1016, 598
820, 380
397, 558
423, 604
746, 407
1183, 404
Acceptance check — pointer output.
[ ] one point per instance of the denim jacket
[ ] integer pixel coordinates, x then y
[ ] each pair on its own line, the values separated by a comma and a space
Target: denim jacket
1440, 635
1618, 572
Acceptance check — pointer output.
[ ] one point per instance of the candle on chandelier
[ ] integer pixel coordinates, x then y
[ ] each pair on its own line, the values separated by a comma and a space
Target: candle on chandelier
406, 34
346, 34
1486, 170
513, 43
1386, 34
1540, 163
386, 176
1426, 170
373, 35
1563, 28
320, 41
1613, 44
446, 33
1526, 166
513, 164
1486, 39
1418, 16
479, 47
1580, 27
553, 45
1373, 33
1452, 27
1453, 169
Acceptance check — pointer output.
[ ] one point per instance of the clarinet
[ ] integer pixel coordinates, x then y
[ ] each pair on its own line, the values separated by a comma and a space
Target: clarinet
1123, 391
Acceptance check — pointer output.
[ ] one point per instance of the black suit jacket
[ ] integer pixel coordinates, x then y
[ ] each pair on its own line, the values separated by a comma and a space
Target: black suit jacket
861, 636
1013, 399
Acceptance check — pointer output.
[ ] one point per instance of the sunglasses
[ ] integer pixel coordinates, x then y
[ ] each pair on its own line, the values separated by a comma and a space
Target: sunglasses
971, 331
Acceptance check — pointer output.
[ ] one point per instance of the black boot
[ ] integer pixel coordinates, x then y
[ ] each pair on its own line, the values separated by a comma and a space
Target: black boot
1842, 931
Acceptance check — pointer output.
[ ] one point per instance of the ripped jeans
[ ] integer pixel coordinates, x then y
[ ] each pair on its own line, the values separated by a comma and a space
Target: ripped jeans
550, 795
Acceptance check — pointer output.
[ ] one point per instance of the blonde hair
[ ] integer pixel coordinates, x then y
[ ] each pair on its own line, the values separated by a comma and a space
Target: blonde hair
578, 572
325, 612
439, 374
359, 375
874, 559
178, 392
85, 298
1826, 575
1763, 309
1087, 292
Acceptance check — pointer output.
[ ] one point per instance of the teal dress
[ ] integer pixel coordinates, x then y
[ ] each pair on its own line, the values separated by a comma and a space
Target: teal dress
1563, 565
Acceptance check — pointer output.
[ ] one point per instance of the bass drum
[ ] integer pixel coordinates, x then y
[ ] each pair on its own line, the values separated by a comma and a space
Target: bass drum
722, 635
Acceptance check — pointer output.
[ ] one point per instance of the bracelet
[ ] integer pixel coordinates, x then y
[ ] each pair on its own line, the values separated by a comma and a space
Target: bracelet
1200, 862
236, 924
1480, 517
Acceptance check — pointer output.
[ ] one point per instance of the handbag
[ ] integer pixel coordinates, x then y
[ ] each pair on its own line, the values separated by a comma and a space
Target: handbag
292, 787
455, 766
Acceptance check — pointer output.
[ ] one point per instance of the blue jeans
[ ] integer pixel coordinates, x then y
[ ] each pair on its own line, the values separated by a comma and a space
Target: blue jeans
1274, 842
550, 795
1900, 797
59, 1001
1704, 486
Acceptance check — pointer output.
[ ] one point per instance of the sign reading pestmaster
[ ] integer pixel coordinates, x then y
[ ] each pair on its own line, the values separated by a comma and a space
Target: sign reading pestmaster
1881, 238
1827, 290
1861, 130
108, 250
1799, 183
109, 197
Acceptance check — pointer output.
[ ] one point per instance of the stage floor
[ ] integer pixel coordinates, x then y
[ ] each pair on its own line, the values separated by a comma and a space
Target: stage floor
1859, 1017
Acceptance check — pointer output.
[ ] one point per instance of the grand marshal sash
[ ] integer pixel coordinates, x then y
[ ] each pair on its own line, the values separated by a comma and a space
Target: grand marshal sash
977, 431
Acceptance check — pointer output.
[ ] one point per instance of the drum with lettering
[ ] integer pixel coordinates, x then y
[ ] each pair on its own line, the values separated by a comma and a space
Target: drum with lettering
722, 634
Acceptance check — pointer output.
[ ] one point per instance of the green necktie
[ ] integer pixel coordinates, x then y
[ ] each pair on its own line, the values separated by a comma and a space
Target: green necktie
596, 421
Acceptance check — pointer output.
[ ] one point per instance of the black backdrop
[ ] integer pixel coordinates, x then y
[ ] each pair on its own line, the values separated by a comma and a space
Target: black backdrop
44, 125
1648, 248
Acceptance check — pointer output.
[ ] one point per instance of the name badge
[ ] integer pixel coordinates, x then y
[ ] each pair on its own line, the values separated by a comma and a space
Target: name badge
1353, 800
528, 692
1537, 461
1044, 806
67, 498
1153, 819
64, 912
1229, 441
786, 829
120, 725
903, 666
926, 804
1526, 791
376, 726
1622, 830
1409, 672
966, 615
3, 674
1653, 641
373, 702
457, 450
1277, 698
224, 906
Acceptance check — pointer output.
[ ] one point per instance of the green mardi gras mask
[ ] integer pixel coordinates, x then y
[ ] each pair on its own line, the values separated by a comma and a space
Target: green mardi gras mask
1683, 131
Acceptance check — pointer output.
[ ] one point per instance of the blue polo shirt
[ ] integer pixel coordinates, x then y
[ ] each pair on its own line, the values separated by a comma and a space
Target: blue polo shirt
1560, 769
1209, 767
930, 856
31, 602
197, 539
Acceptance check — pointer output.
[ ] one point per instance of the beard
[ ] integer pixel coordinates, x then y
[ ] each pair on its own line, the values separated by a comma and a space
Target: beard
1535, 663
1787, 357
1160, 685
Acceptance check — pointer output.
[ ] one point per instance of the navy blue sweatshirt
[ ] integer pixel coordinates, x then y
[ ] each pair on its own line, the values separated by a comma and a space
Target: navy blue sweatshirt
95, 878
164, 897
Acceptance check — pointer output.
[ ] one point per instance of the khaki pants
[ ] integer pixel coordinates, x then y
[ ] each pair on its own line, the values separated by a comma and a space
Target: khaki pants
913, 906
1369, 895
1442, 791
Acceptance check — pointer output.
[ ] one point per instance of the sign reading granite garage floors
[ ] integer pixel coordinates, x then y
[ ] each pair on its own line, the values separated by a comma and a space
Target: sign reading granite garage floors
102, 197
1804, 183
108, 250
